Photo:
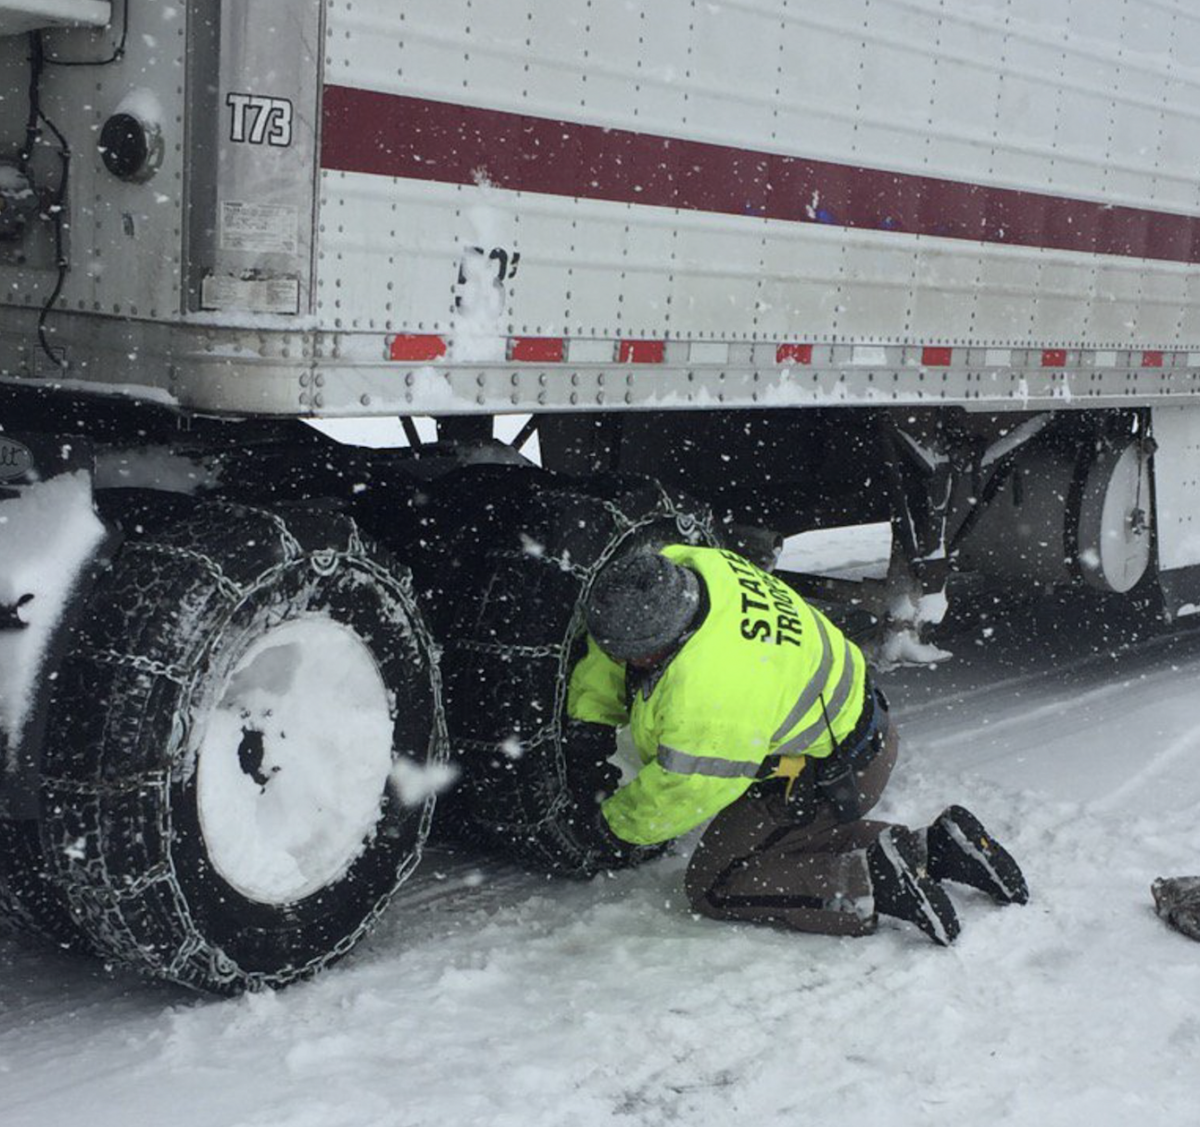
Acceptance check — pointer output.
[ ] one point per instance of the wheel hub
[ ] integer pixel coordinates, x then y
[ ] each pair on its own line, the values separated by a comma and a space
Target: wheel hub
294, 757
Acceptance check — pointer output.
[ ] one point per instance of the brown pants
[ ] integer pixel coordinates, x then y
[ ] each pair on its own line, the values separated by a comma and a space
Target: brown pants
755, 863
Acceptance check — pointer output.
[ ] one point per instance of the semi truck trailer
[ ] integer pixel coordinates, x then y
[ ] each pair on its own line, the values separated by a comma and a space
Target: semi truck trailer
748, 267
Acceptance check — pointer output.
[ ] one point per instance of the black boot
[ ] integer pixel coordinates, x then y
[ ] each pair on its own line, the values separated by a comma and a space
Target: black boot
960, 849
904, 890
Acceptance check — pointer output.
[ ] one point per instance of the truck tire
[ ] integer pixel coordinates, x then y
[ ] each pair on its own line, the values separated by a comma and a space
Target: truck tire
218, 799
521, 551
29, 902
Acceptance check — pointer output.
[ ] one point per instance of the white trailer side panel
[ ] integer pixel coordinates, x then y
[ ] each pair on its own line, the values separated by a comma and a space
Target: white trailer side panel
1077, 101
998, 198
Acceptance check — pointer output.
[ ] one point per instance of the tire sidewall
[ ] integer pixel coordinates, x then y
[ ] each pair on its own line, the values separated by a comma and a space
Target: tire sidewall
162, 632
228, 919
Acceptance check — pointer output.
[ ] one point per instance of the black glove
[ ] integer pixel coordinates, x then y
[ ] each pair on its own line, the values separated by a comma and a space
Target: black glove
611, 851
591, 778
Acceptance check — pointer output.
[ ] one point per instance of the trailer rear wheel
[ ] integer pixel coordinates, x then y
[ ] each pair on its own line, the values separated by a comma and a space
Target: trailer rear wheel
217, 796
516, 554
28, 899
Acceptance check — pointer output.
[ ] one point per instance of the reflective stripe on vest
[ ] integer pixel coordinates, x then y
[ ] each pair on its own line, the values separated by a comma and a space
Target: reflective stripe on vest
815, 687
684, 763
806, 737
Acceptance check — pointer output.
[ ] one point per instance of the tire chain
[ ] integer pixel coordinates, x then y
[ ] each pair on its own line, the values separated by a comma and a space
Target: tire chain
691, 526
224, 584
196, 960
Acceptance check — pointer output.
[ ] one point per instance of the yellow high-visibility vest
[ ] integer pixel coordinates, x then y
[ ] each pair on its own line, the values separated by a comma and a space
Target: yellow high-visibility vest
765, 674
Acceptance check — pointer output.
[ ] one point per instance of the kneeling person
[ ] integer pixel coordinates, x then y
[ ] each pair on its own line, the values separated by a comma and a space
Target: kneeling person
749, 707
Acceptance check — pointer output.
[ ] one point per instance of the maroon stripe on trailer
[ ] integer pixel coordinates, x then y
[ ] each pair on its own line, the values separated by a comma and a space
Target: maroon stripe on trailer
1153, 359
537, 350
395, 135
794, 354
933, 357
416, 346
642, 352
1054, 357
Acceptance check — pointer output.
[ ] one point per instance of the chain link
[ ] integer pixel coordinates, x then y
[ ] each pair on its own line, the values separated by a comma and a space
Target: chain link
216, 573
174, 673
506, 649
292, 549
560, 563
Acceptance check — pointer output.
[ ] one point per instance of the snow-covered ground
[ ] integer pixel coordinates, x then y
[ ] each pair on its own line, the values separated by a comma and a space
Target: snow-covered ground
491, 997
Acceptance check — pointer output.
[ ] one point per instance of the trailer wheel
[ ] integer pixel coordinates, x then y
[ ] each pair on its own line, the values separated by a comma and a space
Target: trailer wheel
519, 551
217, 800
28, 900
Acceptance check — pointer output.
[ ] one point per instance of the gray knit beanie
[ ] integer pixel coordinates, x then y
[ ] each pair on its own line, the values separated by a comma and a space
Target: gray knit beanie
641, 604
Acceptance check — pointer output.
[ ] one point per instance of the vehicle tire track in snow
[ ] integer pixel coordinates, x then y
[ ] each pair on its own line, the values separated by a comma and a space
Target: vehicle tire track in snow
1148, 772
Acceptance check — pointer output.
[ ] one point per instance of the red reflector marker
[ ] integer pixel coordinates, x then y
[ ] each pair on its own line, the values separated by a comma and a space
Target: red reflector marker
1152, 359
642, 352
793, 354
933, 357
537, 350
416, 346
1054, 357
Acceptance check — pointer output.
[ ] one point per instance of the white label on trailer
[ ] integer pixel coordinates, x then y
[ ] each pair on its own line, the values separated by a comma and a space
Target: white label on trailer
588, 351
253, 295
869, 355
1104, 359
709, 352
261, 227
997, 357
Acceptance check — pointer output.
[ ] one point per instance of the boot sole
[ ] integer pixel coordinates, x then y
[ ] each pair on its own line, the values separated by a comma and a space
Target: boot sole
1008, 884
942, 927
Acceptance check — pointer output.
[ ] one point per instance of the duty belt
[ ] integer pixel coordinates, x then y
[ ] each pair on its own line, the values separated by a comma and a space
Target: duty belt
854, 752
